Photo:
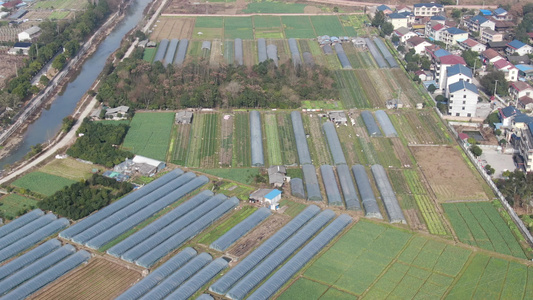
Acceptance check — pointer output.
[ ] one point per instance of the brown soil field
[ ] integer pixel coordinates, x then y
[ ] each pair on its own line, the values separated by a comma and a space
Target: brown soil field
99, 279
173, 28
402, 155
447, 173
217, 56
258, 235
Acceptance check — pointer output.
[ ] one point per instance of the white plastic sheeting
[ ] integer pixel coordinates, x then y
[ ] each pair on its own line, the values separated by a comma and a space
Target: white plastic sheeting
20, 221
171, 50
272, 53
376, 54
26, 230
181, 52
160, 54
295, 52
308, 59
261, 50
300, 138
348, 188
367, 194
386, 124
334, 143
345, 62
238, 52
370, 123
297, 188
394, 211
386, 53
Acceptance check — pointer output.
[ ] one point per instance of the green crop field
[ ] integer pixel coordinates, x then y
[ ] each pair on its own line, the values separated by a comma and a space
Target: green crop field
58, 15
327, 25
298, 27
243, 175
42, 183
318, 147
60, 4
203, 144
267, 22
351, 92
293, 209
213, 234
238, 27
14, 205
149, 134
274, 8
479, 224
289, 153
229, 51
69, 168
209, 22
242, 151
179, 144
273, 141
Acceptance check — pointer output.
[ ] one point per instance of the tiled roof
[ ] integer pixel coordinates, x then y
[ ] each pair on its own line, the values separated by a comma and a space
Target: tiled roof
520, 85
461, 85
508, 111
500, 11
479, 19
516, 44
452, 60
470, 42
438, 18
416, 40
437, 27
490, 53
455, 30
441, 53
503, 64
383, 7
397, 16
458, 69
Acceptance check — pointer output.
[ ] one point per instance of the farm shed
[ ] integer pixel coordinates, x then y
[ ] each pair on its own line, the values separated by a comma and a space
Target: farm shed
18, 14
261, 50
117, 113
297, 188
156, 276
300, 138
19, 46
272, 53
29, 34
327, 49
370, 123
386, 53
394, 211
259, 195
161, 50
367, 194
238, 52
206, 45
386, 124
184, 117
376, 54
308, 59
171, 51
298, 261
295, 52
228, 280
330, 184
334, 143
279, 256
140, 164
338, 117
195, 203
345, 63
311, 183
276, 175
239, 230
348, 188
359, 42
272, 199
256, 139
181, 52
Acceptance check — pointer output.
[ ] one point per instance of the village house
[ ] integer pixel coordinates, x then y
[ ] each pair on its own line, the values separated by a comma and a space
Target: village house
507, 115
338, 117
510, 71
441, 65
427, 9
397, 20
418, 44
117, 113
462, 98
19, 48
490, 56
451, 36
525, 102
477, 23
518, 47
276, 175
184, 117
488, 35
520, 89
457, 73
470, 44
404, 34
29, 34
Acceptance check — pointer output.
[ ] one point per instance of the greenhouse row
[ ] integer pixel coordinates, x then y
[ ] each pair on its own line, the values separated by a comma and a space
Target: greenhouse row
345, 63
160, 223
256, 139
295, 52
279, 256
239, 230
311, 183
300, 138
272, 53
330, 184
20, 221
143, 241
119, 204
160, 54
298, 261
334, 143
394, 211
370, 123
171, 52
348, 188
327, 49
25, 230
376, 54
386, 53
370, 203
118, 223
206, 45
181, 52
178, 239
28, 237
238, 52
386, 124
228, 280
297, 188
32, 285
261, 50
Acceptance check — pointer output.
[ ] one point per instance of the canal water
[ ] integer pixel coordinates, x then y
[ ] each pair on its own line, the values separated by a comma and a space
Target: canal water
49, 123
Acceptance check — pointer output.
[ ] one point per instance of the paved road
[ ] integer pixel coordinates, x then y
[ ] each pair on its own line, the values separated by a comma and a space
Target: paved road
67, 139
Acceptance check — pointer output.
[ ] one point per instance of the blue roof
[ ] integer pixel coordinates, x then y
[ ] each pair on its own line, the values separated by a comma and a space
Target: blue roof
530, 125
406, 13
508, 111
461, 84
427, 5
397, 16
273, 194
499, 11
485, 12
523, 118
441, 53
383, 7
455, 30
524, 68
479, 19
458, 69
438, 18
516, 44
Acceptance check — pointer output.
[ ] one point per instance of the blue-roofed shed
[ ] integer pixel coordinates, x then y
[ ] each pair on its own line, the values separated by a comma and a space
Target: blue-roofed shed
500, 11
383, 7
397, 16
479, 19
485, 12
272, 199
459, 69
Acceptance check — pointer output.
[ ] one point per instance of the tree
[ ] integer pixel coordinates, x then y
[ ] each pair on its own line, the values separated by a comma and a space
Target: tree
498, 132
476, 150
471, 58
59, 62
412, 66
378, 19
425, 62
335, 9
471, 141
456, 14
44, 80
492, 118
432, 88
68, 122
490, 170
387, 28
488, 82
395, 39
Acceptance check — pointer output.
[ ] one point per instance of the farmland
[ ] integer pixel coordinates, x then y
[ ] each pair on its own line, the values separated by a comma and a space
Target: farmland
289, 153
217, 230
273, 141
243, 175
69, 168
241, 141
203, 144
60, 4
173, 28
179, 143
412, 123
479, 224
13, 205
317, 144
99, 279
449, 176
42, 183
149, 134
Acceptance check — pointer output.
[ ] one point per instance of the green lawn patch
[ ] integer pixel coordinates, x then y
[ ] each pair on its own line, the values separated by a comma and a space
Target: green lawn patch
42, 183
149, 54
294, 208
14, 205
298, 27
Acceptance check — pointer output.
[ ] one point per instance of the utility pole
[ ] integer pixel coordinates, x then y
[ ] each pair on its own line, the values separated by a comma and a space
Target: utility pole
495, 86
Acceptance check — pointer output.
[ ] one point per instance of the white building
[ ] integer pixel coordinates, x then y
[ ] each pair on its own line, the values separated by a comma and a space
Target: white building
441, 66
519, 89
517, 46
510, 71
427, 9
462, 99
272, 199
404, 34
490, 56
450, 36
397, 20
418, 44
29, 34
475, 24
489, 35
470, 44
434, 30
117, 113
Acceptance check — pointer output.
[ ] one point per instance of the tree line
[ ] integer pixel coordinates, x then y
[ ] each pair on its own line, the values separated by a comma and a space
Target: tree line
82, 198
141, 85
